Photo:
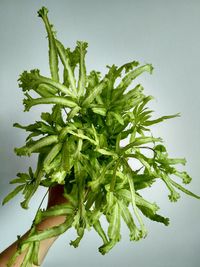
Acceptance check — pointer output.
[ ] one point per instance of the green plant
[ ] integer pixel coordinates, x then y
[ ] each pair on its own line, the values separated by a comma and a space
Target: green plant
81, 148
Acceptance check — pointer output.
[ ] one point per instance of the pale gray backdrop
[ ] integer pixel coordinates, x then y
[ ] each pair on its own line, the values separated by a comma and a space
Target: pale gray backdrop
164, 33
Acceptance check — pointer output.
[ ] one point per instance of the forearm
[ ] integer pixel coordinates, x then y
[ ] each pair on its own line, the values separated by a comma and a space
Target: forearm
44, 245
55, 198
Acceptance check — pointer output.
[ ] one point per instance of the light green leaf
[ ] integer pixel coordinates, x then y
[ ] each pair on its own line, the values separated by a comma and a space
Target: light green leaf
73, 112
63, 101
154, 216
83, 136
135, 233
52, 154
30, 189
184, 175
68, 151
106, 152
174, 195
184, 190
82, 46
99, 110
51, 232
133, 202
45, 90
126, 81
118, 117
31, 80
114, 224
58, 176
57, 210
43, 142
12, 194
35, 253
65, 61
98, 228
53, 57
151, 122
93, 94
107, 247
28, 255
141, 141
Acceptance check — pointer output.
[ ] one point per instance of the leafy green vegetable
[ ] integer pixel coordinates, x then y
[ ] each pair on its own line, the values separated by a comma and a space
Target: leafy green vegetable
79, 146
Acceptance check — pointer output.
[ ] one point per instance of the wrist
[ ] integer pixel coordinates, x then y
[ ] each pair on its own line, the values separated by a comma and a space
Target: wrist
50, 222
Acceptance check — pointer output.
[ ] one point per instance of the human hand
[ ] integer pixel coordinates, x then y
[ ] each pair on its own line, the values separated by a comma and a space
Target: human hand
55, 196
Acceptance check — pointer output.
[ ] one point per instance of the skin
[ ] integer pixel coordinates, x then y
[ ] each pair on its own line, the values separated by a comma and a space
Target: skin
55, 197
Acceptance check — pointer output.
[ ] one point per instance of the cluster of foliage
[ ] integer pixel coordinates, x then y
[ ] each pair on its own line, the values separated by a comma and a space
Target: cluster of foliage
79, 147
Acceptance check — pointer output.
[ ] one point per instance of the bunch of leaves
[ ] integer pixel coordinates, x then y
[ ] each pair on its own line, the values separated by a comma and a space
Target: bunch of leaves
79, 145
